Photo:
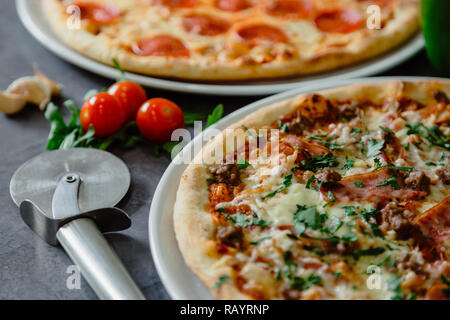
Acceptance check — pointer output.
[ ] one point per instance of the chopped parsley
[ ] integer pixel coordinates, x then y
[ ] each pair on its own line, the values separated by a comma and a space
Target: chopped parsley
318, 162
387, 130
374, 148
350, 237
392, 181
356, 129
394, 285
308, 183
306, 217
241, 220
332, 199
221, 281
243, 164
211, 180
286, 183
433, 135
359, 184
327, 142
254, 243
348, 165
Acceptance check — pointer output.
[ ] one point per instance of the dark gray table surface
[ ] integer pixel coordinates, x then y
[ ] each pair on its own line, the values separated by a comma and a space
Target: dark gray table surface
29, 268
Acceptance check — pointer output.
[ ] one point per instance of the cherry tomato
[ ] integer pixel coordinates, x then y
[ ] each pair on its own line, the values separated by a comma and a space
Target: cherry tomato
130, 94
157, 118
104, 112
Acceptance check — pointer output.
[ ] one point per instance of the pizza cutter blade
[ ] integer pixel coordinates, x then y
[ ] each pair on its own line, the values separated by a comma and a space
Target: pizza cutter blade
67, 198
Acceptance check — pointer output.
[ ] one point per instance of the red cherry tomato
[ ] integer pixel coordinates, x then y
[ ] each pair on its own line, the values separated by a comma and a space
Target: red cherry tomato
130, 94
104, 112
157, 118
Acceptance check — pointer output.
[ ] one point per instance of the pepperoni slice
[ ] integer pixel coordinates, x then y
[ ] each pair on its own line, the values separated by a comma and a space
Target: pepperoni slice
175, 4
205, 25
340, 21
290, 9
162, 45
261, 34
233, 5
98, 13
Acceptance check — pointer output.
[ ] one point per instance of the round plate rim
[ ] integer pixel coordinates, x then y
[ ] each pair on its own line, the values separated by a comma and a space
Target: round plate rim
173, 174
371, 67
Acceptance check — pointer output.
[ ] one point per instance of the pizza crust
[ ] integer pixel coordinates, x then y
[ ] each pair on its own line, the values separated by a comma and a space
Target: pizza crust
194, 226
364, 45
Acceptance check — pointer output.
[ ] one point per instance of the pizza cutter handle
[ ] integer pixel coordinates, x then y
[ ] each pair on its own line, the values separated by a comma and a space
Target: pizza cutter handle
99, 264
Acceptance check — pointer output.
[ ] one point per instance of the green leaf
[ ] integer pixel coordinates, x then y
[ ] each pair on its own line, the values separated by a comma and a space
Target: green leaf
254, 243
350, 237
286, 183
374, 148
116, 64
332, 199
242, 163
348, 165
242, 220
215, 116
58, 127
221, 281
359, 184
306, 217
190, 118
391, 182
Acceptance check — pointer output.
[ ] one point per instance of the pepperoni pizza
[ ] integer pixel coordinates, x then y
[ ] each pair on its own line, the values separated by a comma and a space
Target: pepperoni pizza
232, 39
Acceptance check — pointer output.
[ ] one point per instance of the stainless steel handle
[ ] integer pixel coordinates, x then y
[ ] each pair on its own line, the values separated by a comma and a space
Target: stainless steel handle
98, 263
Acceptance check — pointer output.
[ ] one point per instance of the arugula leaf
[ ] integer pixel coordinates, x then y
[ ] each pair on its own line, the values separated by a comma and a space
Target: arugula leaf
215, 116
374, 148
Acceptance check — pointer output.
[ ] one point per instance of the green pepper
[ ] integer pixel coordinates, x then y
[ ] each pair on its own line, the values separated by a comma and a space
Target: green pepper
436, 29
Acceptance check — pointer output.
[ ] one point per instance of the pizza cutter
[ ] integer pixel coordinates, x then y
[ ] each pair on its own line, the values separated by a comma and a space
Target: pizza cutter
67, 198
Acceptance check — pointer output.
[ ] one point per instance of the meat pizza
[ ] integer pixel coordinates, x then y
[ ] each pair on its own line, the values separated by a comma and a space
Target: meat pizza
340, 194
232, 39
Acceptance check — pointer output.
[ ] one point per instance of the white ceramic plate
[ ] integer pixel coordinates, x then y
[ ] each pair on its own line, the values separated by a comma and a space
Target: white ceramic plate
31, 15
179, 281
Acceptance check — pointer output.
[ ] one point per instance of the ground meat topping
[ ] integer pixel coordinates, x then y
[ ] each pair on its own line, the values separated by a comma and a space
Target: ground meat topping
418, 180
328, 177
226, 173
395, 217
444, 174
231, 236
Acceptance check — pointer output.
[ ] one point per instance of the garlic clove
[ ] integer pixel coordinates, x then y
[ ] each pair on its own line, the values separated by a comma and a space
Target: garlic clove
55, 87
36, 90
11, 103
